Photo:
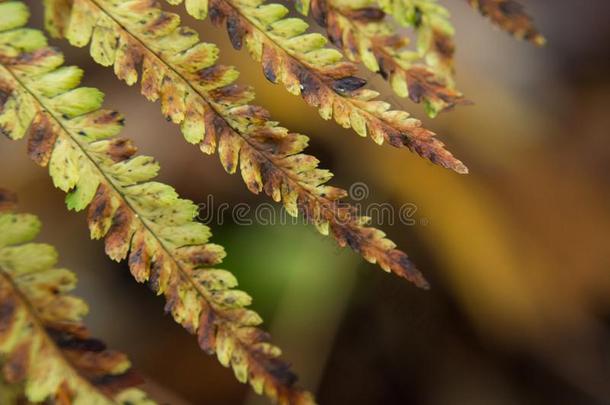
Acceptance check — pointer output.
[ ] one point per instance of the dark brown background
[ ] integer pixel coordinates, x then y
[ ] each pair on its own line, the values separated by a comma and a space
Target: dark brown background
517, 251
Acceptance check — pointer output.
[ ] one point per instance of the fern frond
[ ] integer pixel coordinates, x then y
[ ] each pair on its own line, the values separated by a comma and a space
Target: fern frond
509, 15
46, 351
305, 66
430, 20
365, 35
139, 218
176, 67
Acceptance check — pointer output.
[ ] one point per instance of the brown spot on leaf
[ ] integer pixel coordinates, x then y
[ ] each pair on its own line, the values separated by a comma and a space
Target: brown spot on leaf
161, 270
119, 234
139, 259
64, 395
37, 57
212, 74
236, 31
280, 370
233, 94
385, 67
348, 84
73, 343
215, 12
42, 135
100, 209
112, 384
6, 90
334, 31
161, 22
201, 256
54, 327
319, 11
109, 117
65, 338
8, 309
424, 85
127, 59
366, 14
444, 46
270, 63
121, 149
206, 334
310, 85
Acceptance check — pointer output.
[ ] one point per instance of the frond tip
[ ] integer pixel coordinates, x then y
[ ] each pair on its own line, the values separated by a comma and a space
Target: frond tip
46, 351
511, 17
140, 219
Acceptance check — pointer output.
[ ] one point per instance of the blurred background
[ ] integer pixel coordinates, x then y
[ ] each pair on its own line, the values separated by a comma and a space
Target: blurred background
516, 252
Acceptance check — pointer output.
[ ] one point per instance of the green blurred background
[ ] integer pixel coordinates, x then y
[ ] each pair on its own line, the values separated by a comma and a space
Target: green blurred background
517, 251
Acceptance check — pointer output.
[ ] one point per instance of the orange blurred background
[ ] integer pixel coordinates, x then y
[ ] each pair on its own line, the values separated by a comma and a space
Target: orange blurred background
516, 251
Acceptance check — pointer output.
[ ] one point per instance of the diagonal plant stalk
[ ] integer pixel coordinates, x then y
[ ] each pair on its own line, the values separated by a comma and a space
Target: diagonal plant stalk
213, 112
510, 16
365, 35
301, 62
46, 351
139, 218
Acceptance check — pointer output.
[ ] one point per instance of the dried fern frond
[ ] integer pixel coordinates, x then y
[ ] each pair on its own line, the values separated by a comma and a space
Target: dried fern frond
139, 218
212, 111
46, 352
511, 17
305, 66
363, 32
